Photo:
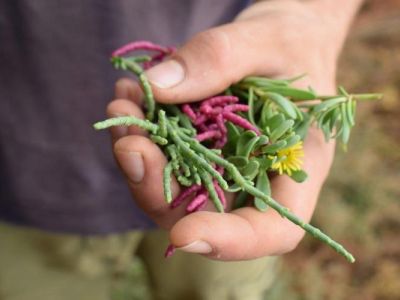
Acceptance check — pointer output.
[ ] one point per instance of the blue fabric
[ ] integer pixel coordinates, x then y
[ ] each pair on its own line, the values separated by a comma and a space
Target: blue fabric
56, 172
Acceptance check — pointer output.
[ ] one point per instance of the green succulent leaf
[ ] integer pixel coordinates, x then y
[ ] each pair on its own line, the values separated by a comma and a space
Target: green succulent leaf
262, 140
263, 185
292, 140
281, 130
251, 112
246, 143
250, 170
234, 188
241, 199
286, 106
299, 176
233, 137
265, 162
238, 161
293, 93
274, 121
271, 149
301, 127
328, 104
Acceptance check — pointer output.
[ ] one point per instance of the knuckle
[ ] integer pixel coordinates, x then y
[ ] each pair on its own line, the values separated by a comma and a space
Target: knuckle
112, 107
215, 45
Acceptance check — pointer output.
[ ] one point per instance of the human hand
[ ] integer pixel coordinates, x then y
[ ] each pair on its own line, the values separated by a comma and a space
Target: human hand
264, 40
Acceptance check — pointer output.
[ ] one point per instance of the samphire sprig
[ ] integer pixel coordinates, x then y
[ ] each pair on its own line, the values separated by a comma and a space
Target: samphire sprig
231, 141
203, 158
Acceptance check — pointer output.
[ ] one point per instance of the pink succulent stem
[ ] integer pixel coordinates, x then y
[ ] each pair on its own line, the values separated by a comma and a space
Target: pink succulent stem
213, 111
155, 59
219, 144
197, 202
140, 45
208, 135
240, 121
212, 127
220, 169
187, 109
200, 119
200, 207
219, 100
203, 127
184, 194
236, 107
221, 125
169, 251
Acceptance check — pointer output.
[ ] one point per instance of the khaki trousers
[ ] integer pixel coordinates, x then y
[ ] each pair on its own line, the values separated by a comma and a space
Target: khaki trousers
44, 266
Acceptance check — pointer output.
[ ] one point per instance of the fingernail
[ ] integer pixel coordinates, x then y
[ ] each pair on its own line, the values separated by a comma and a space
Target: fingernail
166, 74
132, 164
118, 132
200, 247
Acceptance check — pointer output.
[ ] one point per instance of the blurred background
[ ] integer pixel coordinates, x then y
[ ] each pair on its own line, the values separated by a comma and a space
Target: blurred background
360, 204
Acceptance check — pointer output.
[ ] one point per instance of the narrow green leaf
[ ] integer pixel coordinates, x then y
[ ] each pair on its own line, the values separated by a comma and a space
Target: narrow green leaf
265, 162
299, 176
240, 200
293, 93
327, 104
333, 120
234, 188
263, 140
250, 171
233, 136
250, 113
301, 128
292, 140
246, 143
262, 81
266, 114
275, 121
286, 106
281, 130
349, 112
271, 149
264, 186
238, 161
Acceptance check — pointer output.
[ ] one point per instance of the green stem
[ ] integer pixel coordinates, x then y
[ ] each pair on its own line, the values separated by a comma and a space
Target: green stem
148, 93
212, 193
360, 97
167, 182
127, 121
193, 156
283, 211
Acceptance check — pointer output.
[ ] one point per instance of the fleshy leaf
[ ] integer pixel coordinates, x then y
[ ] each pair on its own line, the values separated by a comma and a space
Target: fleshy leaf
250, 170
238, 161
264, 186
299, 176
286, 106
246, 143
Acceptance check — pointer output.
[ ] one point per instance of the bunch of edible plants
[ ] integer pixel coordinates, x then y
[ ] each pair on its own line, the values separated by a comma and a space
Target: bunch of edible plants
234, 141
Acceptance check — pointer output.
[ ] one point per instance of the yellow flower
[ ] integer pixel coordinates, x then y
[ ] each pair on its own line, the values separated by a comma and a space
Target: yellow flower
289, 159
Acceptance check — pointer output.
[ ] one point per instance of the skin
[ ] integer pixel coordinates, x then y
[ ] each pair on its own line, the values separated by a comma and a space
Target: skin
271, 38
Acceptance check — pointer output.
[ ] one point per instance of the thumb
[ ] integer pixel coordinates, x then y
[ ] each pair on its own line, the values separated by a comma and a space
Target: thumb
142, 163
210, 62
